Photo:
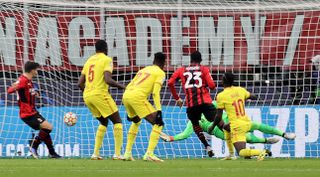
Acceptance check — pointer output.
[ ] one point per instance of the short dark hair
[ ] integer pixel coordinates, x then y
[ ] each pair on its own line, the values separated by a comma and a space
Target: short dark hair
228, 79
159, 58
196, 57
101, 46
30, 65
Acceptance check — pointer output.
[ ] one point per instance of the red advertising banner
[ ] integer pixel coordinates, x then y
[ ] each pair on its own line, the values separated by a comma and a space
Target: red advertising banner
64, 40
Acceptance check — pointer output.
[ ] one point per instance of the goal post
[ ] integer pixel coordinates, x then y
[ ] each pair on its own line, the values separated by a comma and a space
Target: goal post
270, 45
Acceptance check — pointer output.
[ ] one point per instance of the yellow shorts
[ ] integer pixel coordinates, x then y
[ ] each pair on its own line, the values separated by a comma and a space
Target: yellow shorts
137, 107
101, 105
238, 130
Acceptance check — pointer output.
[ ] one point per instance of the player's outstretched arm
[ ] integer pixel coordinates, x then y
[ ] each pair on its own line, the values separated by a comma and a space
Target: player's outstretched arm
181, 136
81, 82
108, 79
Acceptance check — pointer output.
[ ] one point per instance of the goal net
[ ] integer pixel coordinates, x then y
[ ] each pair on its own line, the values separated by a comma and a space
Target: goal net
272, 46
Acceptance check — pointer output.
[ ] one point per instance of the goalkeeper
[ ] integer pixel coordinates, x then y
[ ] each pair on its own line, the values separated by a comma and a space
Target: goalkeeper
224, 135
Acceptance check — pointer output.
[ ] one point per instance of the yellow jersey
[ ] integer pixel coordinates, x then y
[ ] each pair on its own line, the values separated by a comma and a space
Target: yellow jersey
142, 84
232, 100
94, 70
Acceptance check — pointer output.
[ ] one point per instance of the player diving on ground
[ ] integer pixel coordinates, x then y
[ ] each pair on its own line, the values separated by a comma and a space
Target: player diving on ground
219, 133
232, 100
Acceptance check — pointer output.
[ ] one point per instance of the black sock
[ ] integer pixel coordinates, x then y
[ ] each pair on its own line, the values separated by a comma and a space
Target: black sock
199, 132
44, 135
36, 142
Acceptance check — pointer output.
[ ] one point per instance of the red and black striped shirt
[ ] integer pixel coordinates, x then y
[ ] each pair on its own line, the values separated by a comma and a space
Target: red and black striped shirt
26, 99
196, 80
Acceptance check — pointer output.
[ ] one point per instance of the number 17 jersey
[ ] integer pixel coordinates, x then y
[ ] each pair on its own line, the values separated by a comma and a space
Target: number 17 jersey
196, 80
142, 84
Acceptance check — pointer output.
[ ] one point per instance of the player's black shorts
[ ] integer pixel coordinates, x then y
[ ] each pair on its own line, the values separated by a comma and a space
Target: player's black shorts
34, 121
194, 113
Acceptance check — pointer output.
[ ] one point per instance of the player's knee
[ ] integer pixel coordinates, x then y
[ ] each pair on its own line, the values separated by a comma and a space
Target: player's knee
135, 119
46, 130
158, 121
103, 121
46, 125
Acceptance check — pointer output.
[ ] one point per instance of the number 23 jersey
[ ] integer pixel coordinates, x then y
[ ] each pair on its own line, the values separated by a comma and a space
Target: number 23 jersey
142, 84
232, 100
195, 80
94, 70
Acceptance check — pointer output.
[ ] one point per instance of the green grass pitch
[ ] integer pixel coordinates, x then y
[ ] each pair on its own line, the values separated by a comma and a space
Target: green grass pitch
169, 168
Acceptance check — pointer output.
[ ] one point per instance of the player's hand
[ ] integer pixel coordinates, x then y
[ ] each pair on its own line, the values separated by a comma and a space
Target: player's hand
122, 86
179, 102
37, 94
166, 137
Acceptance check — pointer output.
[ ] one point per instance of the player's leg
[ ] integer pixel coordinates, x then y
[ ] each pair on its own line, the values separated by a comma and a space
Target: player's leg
271, 130
134, 127
112, 108
34, 124
158, 124
102, 128
194, 115
251, 138
37, 122
238, 137
117, 134
101, 131
44, 135
131, 137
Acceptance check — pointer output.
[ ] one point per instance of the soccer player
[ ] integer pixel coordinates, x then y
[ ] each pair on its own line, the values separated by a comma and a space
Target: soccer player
232, 100
196, 80
95, 79
28, 113
219, 133
135, 99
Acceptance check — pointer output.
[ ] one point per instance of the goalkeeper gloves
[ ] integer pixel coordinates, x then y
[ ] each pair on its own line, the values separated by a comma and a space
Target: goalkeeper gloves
166, 137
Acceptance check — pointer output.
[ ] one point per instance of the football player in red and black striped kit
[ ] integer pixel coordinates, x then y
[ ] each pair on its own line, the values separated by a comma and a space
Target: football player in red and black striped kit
196, 81
28, 113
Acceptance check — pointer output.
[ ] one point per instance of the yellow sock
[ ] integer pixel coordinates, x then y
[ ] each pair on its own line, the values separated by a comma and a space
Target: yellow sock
250, 152
227, 137
133, 130
118, 138
99, 138
154, 138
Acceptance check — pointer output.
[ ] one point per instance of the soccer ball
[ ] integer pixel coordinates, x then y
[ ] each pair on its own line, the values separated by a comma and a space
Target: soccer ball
70, 119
